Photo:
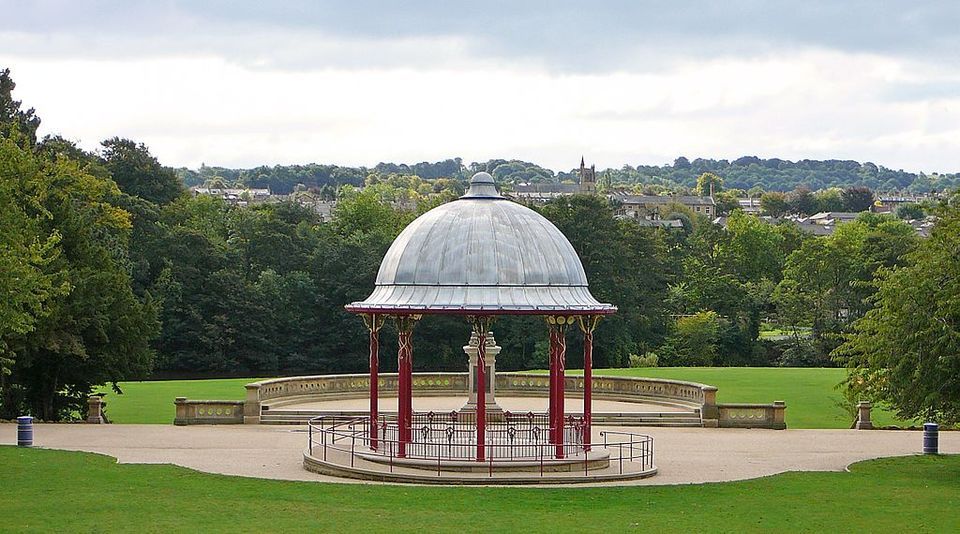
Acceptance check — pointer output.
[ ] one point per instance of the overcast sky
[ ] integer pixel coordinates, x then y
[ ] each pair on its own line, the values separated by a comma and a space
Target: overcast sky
237, 83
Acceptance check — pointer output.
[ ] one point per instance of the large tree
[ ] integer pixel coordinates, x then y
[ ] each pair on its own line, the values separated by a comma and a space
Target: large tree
827, 281
709, 184
138, 173
12, 117
25, 250
98, 330
905, 352
857, 199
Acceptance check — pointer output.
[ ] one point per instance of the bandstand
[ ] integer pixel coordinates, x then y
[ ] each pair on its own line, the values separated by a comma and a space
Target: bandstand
479, 257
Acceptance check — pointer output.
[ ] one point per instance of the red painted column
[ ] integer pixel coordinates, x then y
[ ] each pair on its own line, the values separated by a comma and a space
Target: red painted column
587, 325
561, 365
587, 388
482, 396
404, 382
552, 404
374, 322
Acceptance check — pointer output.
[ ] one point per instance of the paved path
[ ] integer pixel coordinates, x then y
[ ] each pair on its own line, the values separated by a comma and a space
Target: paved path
683, 455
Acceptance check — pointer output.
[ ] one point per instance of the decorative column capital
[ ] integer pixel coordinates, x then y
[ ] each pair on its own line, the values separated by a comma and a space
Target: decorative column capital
405, 323
373, 321
560, 322
588, 323
481, 323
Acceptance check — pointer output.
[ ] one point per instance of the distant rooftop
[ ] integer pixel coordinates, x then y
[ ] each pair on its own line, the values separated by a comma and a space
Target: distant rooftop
663, 199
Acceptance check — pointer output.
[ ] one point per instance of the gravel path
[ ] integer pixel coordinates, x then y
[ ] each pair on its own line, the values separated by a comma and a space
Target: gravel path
683, 455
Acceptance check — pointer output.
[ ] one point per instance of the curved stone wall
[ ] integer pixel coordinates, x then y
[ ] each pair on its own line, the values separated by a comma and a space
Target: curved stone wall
283, 391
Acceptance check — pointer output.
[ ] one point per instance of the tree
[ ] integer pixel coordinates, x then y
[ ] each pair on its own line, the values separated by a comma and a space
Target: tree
709, 184
98, 330
25, 251
752, 249
138, 173
693, 340
726, 202
857, 199
829, 200
802, 202
826, 283
903, 352
774, 204
910, 211
12, 118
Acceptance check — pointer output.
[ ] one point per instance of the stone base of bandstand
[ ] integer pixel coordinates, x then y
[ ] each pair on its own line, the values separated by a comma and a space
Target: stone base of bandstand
469, 412
593, 468
592, 461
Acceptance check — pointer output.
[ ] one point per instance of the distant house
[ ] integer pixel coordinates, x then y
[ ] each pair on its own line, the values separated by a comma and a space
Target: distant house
829, 218
650, 206
541, 196
824, 224
669, 224
240, 197
749, 205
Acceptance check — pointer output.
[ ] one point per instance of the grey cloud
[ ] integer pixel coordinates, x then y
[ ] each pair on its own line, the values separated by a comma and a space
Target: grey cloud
562, 35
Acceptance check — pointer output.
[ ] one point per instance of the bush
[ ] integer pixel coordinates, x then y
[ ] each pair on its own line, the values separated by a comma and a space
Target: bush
649, 359
693, 341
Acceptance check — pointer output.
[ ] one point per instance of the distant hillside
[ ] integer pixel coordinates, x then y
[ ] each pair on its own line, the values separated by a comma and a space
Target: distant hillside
744, 173
782, 175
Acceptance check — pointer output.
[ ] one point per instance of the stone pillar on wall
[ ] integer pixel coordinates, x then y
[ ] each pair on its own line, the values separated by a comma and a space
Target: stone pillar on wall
863, 416
251, 406
95, 407
494, 411
709, 413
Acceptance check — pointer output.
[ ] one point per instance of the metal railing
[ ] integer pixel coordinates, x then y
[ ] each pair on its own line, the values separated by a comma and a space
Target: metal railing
630, 448
445, 438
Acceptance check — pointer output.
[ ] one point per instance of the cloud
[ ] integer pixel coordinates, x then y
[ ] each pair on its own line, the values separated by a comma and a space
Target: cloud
562, 35
245, 83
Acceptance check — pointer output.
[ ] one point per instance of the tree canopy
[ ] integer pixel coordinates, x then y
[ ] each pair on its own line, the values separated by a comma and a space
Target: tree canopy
905, 350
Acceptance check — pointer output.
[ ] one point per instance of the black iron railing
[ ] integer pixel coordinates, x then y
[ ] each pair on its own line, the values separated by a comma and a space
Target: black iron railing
446, 438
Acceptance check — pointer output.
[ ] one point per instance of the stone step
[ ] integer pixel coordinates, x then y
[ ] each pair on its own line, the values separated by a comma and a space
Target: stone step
354, 413
667, 419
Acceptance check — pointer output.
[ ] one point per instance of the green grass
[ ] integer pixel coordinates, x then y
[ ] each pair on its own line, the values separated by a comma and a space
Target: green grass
59, 491
809, 393
152, 402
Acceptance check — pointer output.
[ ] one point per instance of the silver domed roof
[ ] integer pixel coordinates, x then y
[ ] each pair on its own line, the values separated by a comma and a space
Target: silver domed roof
481, 253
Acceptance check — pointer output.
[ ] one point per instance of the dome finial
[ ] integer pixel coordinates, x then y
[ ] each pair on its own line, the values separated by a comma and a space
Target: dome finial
482, 185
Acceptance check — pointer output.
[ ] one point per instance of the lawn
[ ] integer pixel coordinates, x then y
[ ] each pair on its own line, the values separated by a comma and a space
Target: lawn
809, 393
46, 490
152, 402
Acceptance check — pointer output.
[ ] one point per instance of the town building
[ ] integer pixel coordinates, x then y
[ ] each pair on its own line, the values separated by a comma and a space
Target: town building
235, 196
543, 193
651, 207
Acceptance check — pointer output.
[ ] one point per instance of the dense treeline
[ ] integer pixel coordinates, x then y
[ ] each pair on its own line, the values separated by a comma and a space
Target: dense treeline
775, 174
112, 272
746, 173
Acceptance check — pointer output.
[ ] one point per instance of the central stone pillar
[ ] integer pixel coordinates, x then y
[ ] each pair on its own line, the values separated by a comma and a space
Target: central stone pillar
494, 411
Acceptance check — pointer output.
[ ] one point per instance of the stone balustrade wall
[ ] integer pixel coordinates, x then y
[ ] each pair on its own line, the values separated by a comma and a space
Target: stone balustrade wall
281, 391
752, 415
208, 412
